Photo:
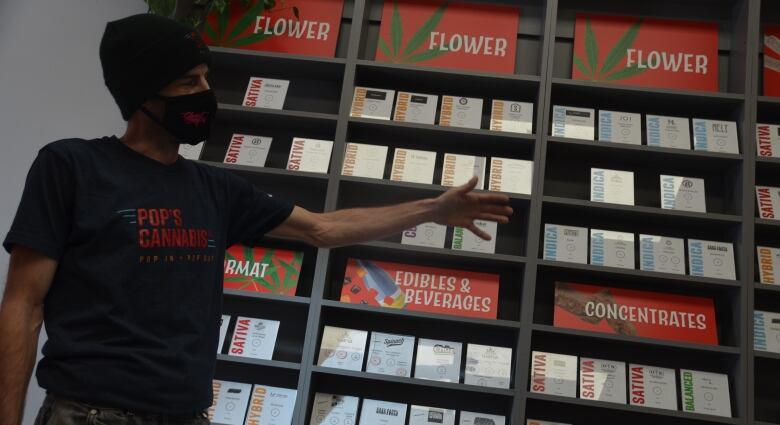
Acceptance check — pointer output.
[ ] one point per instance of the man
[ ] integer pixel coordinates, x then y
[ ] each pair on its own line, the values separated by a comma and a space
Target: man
118, 244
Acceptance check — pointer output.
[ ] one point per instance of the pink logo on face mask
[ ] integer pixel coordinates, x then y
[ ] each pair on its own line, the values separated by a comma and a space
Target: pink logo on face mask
195, 118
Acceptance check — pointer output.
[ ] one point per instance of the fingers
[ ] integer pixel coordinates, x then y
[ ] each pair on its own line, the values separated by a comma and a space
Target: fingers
479, 232
496, 209
468, 186
491, 198
500, 219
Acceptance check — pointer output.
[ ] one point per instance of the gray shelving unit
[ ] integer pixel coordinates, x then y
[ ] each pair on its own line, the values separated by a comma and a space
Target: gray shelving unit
318, 105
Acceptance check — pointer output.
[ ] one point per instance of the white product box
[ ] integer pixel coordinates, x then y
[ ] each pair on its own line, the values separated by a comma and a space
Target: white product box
361, 160
255, 338
230, 401
342, 348
514, 117
661, 254
416, 107
224, 323
565, 243
768, 265
425, 234
576, 123
711, 259
705, 392
668, 132
611, 249
372, 103
766, 331
464, 240
683, 193
414, 166
459, 169
266, 93
553, 374
246, 149
390, 354
715, 136
332, 409
603, 380
311, 155
768, 140
768, 199
377, 412
488, 366
461, 112
612, 186
438, 360
511, 175
652, 386
423, 415
473, 418
271, 406
620, 127
191, 152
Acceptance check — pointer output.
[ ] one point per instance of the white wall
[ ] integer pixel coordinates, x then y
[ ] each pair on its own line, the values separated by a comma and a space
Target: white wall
51, 87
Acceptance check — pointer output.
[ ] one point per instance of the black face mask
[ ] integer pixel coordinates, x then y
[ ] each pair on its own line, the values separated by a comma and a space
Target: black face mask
187, 118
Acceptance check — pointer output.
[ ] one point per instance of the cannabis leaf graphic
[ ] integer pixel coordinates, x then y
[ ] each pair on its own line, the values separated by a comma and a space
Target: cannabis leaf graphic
230, 37
614, 57
410, 53
271, 282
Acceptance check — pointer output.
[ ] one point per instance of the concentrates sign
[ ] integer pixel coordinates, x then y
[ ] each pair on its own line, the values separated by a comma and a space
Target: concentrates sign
772, 61
646, 52
260, 269
417, 288
635, 313
306, 27
449, 35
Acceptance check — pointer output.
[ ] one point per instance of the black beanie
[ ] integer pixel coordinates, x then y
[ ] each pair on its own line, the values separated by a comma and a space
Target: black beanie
143, 53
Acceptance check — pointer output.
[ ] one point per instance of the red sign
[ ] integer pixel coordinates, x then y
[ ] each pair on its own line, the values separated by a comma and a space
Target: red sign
772, 61
449, 35
418, 288
306, 27
646, 52
635, 313
261, 269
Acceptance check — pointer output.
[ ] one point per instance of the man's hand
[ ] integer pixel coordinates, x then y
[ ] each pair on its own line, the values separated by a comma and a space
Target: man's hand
460, 206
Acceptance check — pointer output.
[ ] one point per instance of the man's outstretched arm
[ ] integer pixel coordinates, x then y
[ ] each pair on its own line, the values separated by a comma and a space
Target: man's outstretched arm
21, 315
457, 207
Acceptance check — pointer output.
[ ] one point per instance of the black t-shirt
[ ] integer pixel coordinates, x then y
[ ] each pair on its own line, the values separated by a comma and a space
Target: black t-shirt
133, 312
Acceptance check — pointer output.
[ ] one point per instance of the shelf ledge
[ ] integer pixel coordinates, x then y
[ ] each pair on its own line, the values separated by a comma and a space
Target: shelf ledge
642, 210
717, 349
685, 153
493, 258
266, 296
655, 91
277, 112
274, 55
423, 186
634, 409
766, 355
267, 170
488, 323
423, 383
617, 271
445, 71
258, 362
482, 132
